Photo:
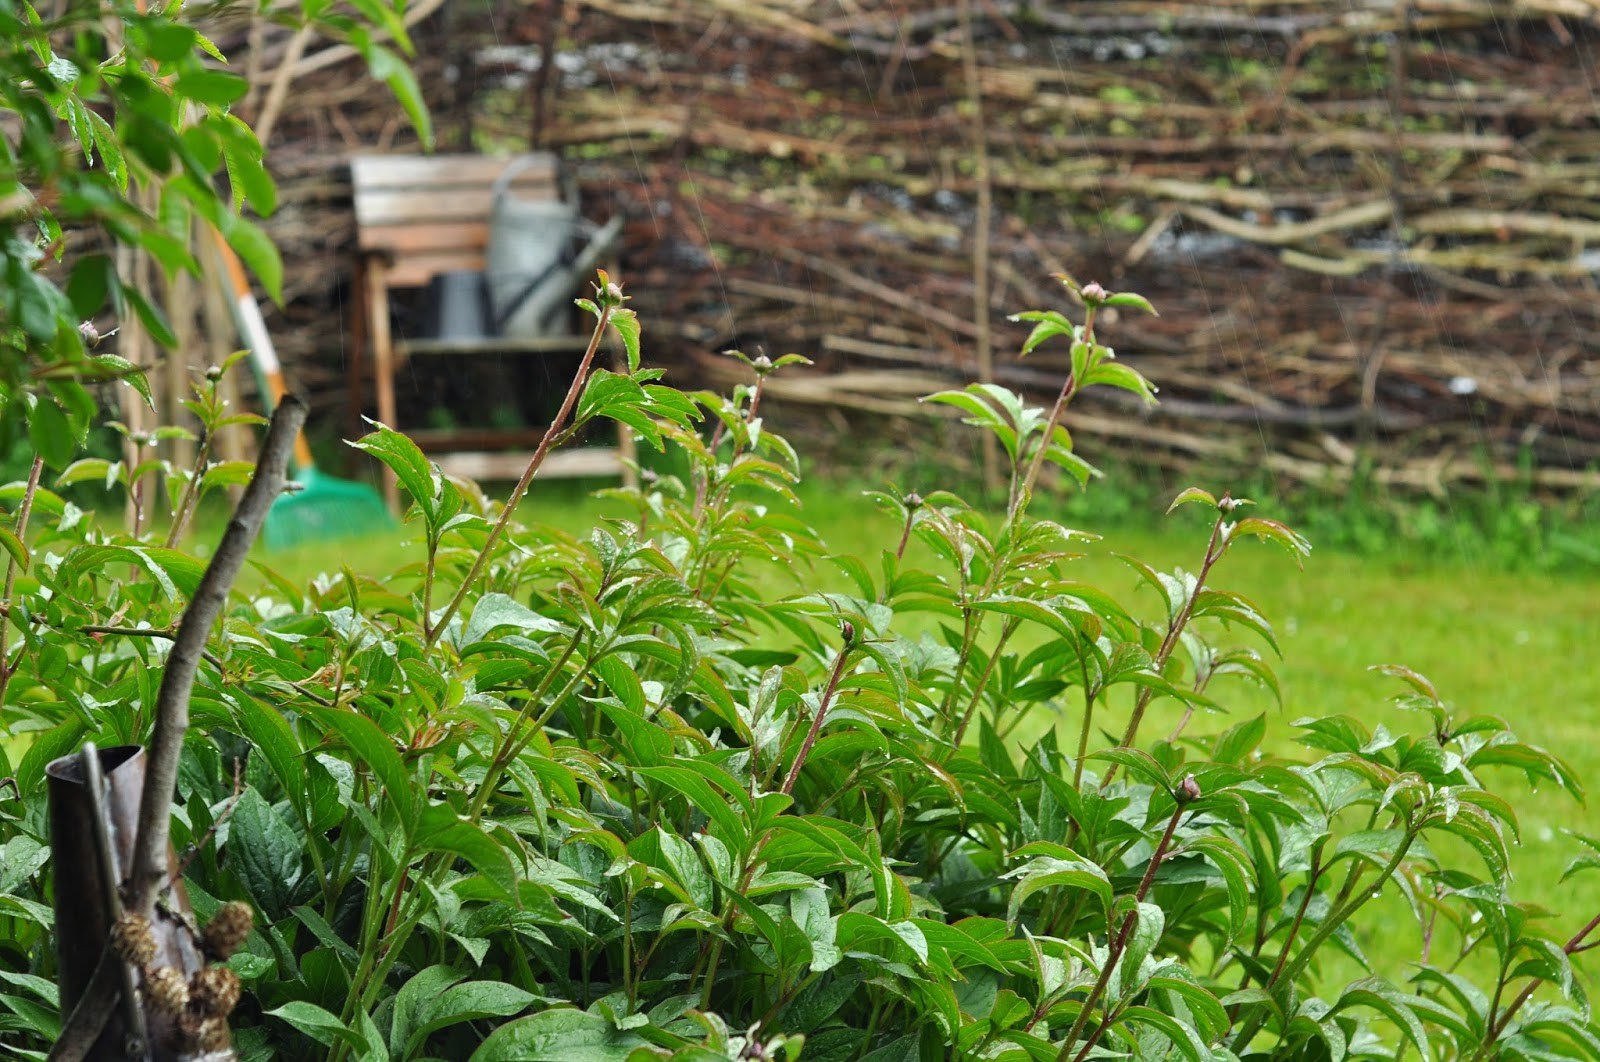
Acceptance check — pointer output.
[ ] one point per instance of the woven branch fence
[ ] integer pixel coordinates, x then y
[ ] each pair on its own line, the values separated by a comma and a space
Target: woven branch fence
1371, 227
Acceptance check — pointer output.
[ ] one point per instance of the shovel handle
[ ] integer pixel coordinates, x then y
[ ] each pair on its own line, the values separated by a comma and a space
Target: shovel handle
253, 330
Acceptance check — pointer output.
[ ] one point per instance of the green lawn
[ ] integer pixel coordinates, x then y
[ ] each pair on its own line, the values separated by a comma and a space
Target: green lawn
1517, 646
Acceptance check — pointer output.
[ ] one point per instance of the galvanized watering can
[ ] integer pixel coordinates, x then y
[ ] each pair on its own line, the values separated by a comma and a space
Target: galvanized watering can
533, 269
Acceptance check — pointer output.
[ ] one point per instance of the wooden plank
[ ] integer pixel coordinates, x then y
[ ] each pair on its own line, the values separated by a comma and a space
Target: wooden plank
496, 345
561, 464
414, 271
445, 440
408, 171
439, 236
428, 203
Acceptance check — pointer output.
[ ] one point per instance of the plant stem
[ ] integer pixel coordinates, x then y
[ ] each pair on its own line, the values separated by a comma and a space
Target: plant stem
23, 512
983, 681
1299, 916
505, 754
834, 678
1497, 1025
1215, 548
1069, 387
149, 870
191, 492
1118, 946
546, 444
1329, 926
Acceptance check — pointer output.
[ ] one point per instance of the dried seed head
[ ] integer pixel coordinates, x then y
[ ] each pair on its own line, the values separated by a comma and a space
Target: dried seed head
132, 940
203, 1034
214, 991
228, 928
165, 990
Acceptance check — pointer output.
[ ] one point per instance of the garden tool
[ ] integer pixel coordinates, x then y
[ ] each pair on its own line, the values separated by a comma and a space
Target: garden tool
324, 507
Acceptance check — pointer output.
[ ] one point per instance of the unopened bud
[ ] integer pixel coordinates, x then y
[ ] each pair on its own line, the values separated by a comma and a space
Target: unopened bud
214, 373
848, 631
90, 334
1093, 292
761, 363
613, 293
1188, 790
913, 501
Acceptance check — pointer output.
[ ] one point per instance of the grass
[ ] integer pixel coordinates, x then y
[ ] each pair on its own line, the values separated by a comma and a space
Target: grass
1510, 643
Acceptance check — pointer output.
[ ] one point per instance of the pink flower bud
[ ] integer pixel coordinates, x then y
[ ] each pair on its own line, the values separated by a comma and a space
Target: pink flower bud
1188, 790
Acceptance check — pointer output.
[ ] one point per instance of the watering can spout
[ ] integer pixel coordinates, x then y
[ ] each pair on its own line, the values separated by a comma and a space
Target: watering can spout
599, 245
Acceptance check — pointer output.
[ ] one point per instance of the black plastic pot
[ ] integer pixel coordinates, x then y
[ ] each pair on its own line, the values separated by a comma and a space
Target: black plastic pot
81, 839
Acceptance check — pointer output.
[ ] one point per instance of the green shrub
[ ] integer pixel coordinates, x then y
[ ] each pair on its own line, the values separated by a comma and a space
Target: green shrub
536, 797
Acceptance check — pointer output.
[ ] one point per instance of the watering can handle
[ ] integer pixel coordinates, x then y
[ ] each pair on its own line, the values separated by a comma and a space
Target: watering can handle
516, 166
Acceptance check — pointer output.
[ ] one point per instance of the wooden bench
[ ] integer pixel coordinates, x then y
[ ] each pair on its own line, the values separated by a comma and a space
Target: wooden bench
418, 217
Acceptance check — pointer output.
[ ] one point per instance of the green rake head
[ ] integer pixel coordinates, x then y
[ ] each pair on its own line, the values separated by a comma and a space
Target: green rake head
325, 508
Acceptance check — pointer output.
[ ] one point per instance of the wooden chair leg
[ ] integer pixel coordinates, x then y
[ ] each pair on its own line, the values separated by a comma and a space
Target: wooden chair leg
382, 362
355, 371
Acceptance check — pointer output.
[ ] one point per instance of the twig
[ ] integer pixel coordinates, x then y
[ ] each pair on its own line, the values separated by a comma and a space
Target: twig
149, 871
980, 233
546, 442
227, 813
11, 572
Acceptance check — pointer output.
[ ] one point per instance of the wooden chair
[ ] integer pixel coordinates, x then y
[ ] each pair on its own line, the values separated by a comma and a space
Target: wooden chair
418, 217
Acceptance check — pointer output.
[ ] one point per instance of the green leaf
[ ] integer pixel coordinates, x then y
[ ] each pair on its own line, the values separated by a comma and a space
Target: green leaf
626, 322
1272, 531
93, 279
443, 830
51, 434
1193, 494
472, 1001
1052, 872
1115, 374
375, 749
269, 734
257, 250
1392, 1003
410, 466
1049, 324
214, 88
393, 71
1183, 1036
421, 990
1128, 298
15, 547
559, 1035
265, 852
497, 611
317, 1023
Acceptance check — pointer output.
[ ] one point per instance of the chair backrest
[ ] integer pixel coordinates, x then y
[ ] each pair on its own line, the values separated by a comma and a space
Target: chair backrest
430, 214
